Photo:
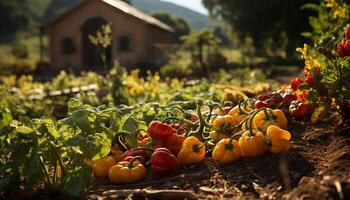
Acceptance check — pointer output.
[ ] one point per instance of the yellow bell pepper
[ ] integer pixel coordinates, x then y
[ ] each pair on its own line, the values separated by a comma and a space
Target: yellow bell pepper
279, 139
252, 145
127, 172
217, 136
237, 114
267, 117
100, 167
192, 151
226, 151
224, 124
116, 153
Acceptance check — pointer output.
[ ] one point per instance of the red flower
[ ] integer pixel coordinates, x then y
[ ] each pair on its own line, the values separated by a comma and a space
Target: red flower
343, 48
347, 33
295, 83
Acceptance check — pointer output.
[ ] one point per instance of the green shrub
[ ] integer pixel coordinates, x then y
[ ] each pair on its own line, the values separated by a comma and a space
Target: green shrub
20, 50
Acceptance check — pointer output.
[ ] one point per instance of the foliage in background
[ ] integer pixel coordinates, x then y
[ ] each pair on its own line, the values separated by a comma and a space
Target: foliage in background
178, 24
201, 44
250, 17
328, 25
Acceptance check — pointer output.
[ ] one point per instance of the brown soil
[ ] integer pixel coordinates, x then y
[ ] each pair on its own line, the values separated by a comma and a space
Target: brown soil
317, 167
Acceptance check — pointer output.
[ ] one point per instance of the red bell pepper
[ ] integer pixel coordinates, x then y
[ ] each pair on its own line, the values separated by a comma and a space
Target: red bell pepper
134, 153
160, 131
298, 109
174, 143
295, 83
163, 162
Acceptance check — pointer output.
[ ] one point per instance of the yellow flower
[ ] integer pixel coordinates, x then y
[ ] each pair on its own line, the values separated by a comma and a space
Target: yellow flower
303, 51
338, 11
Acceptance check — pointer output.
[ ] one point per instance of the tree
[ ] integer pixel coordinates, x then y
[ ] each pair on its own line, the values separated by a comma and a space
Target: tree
197, 41
13, 17
263, 19
179, 25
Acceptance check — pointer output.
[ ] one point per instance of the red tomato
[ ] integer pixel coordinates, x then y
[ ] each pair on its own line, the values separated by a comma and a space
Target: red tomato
261, 104
288, 97
298, 110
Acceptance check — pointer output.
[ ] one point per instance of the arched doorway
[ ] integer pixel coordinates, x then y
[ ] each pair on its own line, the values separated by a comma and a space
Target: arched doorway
91, 56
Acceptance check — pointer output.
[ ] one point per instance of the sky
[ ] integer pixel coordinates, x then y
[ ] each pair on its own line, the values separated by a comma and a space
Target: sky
192, 4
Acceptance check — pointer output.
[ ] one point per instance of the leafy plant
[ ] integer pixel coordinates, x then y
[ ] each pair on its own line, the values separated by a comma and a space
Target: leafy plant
328, 25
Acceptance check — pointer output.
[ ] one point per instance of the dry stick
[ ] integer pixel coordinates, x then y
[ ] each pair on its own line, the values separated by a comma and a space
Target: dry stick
263, 181
153, 194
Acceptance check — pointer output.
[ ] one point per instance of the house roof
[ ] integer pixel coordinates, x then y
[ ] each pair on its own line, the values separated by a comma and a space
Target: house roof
124, 7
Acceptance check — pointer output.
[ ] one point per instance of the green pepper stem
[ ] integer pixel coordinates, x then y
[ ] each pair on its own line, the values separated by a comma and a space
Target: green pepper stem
178, 108
251, 121
131, 162
197, 147
241, 112
234, 137
201, 118
246, 103
117, 140
170, 118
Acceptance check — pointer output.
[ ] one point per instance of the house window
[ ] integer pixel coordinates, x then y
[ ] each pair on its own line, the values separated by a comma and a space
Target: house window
68, 46
125, 44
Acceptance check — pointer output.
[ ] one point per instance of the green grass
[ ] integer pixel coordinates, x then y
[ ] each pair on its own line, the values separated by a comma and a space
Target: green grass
10, 64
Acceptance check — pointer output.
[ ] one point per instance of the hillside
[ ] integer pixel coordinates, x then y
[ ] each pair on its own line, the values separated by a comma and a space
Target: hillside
195, 19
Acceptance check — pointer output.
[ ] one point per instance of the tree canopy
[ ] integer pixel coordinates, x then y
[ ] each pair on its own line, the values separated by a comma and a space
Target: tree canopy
262, 19
180, 25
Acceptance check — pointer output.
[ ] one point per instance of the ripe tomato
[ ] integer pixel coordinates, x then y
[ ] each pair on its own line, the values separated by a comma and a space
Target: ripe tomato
288, 97
298, 109
261, 104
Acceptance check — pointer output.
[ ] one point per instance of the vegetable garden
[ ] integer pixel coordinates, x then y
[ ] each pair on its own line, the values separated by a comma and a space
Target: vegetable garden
167, 138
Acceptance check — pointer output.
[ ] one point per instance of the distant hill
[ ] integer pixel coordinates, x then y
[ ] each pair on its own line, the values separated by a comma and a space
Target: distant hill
195, 19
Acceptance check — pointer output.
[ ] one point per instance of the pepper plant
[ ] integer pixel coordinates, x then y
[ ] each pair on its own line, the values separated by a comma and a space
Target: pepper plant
326, 84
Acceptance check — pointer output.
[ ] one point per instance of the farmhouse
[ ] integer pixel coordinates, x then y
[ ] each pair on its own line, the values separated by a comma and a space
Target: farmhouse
137, 38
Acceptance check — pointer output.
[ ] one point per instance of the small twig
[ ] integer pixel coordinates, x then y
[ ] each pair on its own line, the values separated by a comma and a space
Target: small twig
339, 189
153, 194
259, 177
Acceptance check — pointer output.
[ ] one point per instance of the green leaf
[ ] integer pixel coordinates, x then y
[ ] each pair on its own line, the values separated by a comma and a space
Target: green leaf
78, 181
319, 114
74, 104
130, 125
306, 34
304, 86
5, 116
24, 130
310, 6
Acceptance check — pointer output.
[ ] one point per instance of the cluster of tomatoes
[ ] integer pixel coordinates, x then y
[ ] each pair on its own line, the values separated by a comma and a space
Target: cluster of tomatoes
291, 103
225, 134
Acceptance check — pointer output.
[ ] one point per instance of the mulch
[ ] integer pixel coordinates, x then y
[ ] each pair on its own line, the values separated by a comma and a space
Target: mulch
317, 167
